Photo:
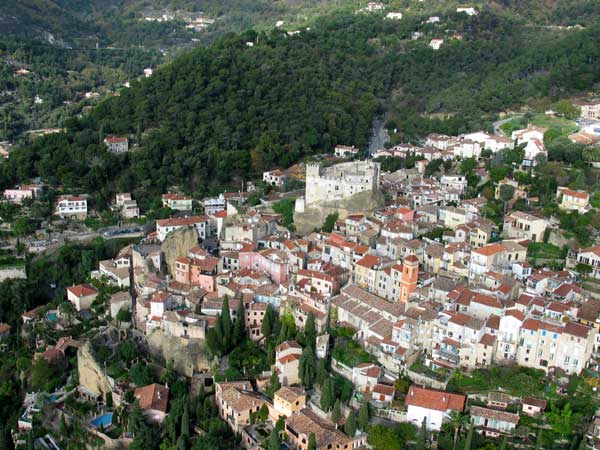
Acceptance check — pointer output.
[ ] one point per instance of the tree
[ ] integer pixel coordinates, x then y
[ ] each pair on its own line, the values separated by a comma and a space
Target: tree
539, 439
456, 420
307, 367
350, 425
469, 440
42, 375
327, 395
274, 384
239, 329
226, 322
274, 441
322, 374
310, 331
567, 109
507, 192
364, 416
562, 420
312, 442
267, 325
336, 412
185, 423
330, 221
422, 437
383, 437
6, 442
124, 315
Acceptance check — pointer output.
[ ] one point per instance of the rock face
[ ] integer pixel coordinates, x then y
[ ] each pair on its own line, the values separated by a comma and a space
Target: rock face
187, 354
314, 216
91, 374
177, 243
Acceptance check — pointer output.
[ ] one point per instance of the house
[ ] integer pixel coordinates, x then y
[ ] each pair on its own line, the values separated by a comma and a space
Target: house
287, 362
522, 225
4, 330
153, 400
116, 144
82, 296
590, 109
383, 394
236, 401
177, 202
289, 400
365, 376
436, 43
493, 422
533, 406
71, 206
301, 425
128, 207
468, 11
432, 406
275, 177
591, 257
345, 151
533, 148
394, 15
530, 133
201, 223
21, 193
571, 200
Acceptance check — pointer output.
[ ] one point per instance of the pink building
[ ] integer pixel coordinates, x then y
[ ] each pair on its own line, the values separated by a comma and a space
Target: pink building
198, 272
20, 193
273, 262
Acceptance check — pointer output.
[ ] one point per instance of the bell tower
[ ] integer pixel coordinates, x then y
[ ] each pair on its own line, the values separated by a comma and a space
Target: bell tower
410, 274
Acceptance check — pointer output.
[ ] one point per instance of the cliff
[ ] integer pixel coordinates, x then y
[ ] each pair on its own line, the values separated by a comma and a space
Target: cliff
91, 374
188, 355
314, 216
178, 243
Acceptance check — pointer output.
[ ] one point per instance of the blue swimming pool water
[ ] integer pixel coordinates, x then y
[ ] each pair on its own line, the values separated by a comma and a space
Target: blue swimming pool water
102, 421
53, 397
52, 317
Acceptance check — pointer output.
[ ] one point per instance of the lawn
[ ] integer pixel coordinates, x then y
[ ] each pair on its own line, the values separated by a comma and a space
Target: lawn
518, 381
557, 126
544, 251
351, 354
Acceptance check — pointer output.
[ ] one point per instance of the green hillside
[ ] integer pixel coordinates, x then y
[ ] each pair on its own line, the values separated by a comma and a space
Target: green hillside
231, 109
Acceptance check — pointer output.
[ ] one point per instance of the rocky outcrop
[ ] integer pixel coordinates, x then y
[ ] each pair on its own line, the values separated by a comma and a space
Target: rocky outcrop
188, 355
314, 216
177, 243
91, 374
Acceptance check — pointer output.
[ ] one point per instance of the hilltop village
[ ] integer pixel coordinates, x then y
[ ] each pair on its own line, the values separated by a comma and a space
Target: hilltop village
340, 304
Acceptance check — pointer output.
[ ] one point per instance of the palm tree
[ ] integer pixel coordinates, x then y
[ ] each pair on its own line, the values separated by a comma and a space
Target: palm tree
591, 154
457, 420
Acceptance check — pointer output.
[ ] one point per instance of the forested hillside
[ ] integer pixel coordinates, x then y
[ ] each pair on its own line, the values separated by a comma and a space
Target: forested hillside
232, 109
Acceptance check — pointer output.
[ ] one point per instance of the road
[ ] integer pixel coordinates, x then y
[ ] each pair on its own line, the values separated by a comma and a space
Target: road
499, 123
379, 137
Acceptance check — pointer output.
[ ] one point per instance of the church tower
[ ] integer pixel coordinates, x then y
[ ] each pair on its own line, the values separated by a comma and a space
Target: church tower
410, 274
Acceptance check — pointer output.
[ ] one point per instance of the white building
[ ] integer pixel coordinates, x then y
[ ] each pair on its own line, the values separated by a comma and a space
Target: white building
431, 406
71, 206
116, 144
467, 11
394, 15
178, 202
165, 226
436, 43
345, 151
275, 177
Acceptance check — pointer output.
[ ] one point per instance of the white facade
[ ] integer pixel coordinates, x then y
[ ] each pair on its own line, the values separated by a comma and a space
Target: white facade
69, 206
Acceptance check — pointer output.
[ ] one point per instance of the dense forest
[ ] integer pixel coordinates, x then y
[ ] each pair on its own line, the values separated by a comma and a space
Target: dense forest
233, 109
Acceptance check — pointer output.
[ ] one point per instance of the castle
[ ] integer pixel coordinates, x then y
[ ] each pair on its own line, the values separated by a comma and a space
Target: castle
340, 181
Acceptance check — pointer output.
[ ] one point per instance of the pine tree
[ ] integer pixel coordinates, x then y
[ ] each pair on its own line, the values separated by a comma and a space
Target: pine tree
504, 443
274, 384
307, 367
30, 443
336, 413
350, 425
539, 439
274, 442
363, 416
327, 398
283, 333
310, 331
239, 329
312, 442
6, 442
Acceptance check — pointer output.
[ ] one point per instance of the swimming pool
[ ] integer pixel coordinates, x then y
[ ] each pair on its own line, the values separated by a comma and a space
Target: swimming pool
52, 317
103, 421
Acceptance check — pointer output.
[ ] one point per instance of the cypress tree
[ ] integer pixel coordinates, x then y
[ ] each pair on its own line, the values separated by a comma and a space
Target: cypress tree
336, 413
350, 425
239, 329
363, 416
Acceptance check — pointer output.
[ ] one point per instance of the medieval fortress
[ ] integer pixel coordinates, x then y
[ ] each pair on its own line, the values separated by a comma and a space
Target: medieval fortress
338, 182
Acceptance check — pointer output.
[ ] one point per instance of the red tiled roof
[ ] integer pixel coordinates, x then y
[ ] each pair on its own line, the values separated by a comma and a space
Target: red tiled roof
434, 400
154, 396
82, 290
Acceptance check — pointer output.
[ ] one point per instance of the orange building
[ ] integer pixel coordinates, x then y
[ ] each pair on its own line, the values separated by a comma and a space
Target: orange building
410, 274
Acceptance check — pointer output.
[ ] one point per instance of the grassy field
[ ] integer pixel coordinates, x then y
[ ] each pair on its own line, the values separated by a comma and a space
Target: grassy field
513, 380
544, 251
351, 354
557, 126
